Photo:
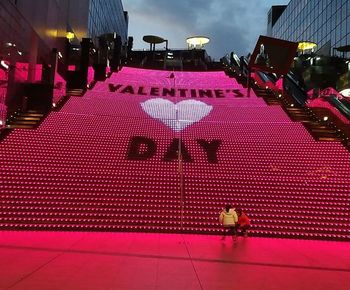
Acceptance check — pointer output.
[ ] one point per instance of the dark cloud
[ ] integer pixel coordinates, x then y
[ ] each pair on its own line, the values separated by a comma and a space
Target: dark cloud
231, 25
184, 11
225, 39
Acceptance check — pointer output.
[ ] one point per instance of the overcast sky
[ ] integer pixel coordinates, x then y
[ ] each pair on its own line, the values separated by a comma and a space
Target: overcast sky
230, 24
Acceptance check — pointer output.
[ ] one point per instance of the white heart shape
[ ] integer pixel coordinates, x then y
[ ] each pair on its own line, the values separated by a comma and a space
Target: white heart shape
176, 116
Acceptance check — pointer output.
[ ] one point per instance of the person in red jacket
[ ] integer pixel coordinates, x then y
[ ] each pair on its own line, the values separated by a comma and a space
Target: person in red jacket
243, 223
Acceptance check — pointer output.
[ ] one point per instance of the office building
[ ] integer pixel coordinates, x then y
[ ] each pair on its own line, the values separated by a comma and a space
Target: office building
321, 21
39, 40
35, 29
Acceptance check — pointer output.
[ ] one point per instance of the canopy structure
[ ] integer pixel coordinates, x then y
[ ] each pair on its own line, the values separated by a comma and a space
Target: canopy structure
153, 40
197, 42
306, 45
345, 48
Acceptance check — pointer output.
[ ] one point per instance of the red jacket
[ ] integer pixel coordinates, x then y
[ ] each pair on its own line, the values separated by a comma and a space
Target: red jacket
243, 220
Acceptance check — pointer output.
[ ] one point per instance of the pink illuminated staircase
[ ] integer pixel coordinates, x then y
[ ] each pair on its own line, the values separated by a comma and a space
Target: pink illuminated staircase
108, 161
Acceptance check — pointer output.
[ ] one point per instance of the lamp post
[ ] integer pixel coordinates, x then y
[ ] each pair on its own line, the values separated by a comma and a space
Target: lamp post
180, 159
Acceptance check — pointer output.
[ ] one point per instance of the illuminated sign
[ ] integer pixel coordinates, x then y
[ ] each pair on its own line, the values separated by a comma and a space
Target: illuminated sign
176, 116
155, 114
174, 92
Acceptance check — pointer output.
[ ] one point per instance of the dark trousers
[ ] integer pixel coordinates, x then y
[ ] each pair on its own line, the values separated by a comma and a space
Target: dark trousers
241, 229
229, 230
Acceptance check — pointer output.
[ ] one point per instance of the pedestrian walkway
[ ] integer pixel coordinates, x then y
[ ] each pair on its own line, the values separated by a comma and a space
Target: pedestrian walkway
132, 261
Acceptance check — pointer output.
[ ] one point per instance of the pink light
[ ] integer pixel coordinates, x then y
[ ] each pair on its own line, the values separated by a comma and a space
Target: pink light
82, 157
91, 73
22, 72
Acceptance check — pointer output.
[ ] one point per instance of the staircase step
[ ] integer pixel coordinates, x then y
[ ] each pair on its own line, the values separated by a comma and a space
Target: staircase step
28, 118
23, 122
73, 173
29, 114
19, 126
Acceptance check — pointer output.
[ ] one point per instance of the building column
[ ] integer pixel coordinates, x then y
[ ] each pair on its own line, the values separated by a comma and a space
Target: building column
33, 55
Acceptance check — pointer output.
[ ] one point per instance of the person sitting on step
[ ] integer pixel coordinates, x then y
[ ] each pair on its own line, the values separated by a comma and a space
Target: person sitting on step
243, 223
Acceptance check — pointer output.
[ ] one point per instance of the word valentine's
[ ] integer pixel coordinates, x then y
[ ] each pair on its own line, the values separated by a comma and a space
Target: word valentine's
175, 92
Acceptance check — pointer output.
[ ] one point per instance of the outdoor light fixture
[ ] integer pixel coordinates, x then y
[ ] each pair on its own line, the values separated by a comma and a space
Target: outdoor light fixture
197, 41
70, 35
4, 65
170, 55
306, 45
325, 118
345, 93
10, 44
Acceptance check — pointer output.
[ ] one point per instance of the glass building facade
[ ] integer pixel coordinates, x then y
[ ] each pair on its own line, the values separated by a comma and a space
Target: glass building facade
325, 22
37, 40
107, 16
44, 24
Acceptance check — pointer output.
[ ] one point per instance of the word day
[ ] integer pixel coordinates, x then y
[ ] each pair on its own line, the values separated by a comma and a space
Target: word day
143, 148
